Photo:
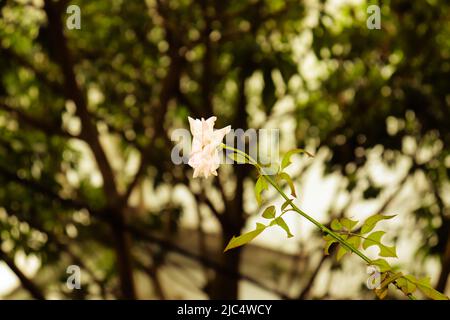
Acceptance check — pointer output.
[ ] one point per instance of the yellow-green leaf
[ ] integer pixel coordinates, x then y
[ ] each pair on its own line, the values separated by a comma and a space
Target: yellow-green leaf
348, 223
371, 222
425, 287
269, 212
280, 222
336, 225
387, 252
354, 241
286, 161
382, 264
260, 186
374, 239
329, 241
285, 204
245, 238
287, 178
341, 252
406, 285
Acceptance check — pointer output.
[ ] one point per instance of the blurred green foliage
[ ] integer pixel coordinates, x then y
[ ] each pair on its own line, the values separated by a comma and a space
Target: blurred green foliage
137, 69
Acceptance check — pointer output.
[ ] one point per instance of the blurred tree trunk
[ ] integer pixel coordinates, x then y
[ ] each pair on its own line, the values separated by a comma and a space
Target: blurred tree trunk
224, 286
59, 51
233, 220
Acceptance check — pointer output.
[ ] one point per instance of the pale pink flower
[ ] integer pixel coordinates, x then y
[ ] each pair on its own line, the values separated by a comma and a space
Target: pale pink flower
204, 157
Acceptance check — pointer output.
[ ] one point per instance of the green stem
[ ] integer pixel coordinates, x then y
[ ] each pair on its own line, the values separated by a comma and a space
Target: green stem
322, 228
319, 225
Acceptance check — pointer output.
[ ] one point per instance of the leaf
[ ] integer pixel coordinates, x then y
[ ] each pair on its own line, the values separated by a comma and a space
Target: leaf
355, 241
341, 252
348, 223
339, 224
245, 238
371, 222
387, 252
287, 178
382, 264
406, 285
269, 212
280, 221
374, 239
260, 186
286, 161
239, 158
285, 204
329, 241
336, 225
425, 287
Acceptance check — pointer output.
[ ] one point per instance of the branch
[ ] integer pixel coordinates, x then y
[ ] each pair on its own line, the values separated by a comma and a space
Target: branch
305, 291
167, 245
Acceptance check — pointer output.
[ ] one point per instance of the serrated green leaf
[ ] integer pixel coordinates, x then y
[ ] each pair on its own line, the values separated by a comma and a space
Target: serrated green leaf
260, 186
280, 222
239, 158
286, 161
374, 239
371, 222
245, 238
348, 223
336, 225
287, 178
269, 212
382, 264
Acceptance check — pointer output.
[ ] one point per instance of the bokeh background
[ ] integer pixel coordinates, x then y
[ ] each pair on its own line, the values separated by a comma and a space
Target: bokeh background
86, 116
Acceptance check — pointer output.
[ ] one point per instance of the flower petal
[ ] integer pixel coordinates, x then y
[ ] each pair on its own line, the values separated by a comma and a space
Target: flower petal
195, 126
